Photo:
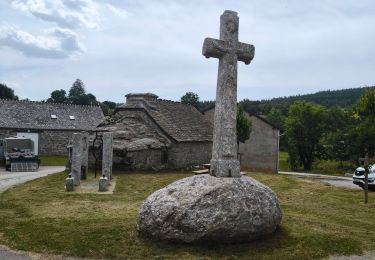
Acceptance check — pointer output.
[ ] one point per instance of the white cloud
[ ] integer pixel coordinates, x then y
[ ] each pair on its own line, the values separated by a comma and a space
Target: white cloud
117, 11
64, 13
58, 43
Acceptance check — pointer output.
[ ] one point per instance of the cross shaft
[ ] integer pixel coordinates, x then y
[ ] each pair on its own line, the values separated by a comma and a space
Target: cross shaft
228, 50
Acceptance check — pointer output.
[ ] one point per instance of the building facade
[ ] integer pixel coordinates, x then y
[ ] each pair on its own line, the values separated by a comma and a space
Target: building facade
49, 125
260, 153
154, 134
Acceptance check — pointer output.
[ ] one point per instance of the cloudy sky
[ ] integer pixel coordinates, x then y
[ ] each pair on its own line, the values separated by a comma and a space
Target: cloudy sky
118, 47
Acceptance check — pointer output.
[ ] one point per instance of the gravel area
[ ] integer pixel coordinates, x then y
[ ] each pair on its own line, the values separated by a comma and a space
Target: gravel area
10, 179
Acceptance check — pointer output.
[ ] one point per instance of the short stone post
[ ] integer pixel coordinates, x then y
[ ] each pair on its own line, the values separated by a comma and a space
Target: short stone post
76, 158
103, 183
69, 183
85, 155
107, 155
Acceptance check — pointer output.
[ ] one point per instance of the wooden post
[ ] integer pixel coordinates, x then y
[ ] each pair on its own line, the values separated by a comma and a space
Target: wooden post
366, 184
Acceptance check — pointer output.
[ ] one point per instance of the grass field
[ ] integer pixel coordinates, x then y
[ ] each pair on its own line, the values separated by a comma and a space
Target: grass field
53, 160
318, 221
319, 166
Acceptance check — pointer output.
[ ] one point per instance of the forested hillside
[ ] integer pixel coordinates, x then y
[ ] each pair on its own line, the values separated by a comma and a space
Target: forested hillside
343, 98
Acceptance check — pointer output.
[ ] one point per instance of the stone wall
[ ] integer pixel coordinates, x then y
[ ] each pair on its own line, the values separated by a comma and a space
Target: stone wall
186, 154
261, 151
50, 142
54, 142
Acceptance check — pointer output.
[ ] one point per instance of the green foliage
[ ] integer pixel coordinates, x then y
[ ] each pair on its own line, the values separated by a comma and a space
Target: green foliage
108, 107
190, 98
77, 89
243, 126
276, 118
343, 98
304, 127
58, 96
6, 92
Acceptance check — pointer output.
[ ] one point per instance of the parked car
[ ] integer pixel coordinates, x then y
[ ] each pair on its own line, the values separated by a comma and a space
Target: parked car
359, 177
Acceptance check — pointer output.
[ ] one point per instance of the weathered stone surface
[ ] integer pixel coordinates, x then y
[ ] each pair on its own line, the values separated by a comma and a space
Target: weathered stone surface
69, 183
107, 155
228, 50
103, 184
204, 207
76, 158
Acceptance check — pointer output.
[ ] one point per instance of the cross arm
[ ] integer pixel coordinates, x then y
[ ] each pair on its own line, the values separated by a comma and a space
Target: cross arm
245, 52
214, 48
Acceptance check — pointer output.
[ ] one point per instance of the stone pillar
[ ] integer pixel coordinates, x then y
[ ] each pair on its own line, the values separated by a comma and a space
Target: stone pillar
69, 183
76, 158
107, 155
85, 155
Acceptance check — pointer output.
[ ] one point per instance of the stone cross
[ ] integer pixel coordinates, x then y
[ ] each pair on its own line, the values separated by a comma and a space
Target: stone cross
107, 155
76, 158
228, 50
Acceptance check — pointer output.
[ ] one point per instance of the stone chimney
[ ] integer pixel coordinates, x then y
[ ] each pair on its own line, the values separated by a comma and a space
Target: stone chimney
141, 100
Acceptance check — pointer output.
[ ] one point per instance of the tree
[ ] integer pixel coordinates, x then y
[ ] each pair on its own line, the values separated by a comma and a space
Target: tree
6, 92
243, 127
108, 107
276, 118
190, 98
58, 96
77, 94
77, 89
304, 127
365, 130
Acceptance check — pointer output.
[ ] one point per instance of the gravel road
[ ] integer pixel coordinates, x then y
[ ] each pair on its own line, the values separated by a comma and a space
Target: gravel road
10, 179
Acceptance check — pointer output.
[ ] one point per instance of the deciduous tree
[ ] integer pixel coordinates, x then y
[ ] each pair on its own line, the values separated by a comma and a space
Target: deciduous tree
304, 127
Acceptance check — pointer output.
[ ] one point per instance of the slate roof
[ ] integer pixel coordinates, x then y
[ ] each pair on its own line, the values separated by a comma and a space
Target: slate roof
37, 115
184, 123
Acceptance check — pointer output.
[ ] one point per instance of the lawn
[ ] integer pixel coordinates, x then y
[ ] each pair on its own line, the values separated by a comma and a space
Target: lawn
48, 160
319, 166
318, 221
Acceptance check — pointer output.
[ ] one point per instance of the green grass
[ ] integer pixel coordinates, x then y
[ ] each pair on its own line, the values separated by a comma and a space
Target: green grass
318, 221
47, 160
283, 161
319, 166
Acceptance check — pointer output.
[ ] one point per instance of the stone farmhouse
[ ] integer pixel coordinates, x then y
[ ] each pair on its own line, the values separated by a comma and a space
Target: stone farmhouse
49, 125
261, 151
150, 133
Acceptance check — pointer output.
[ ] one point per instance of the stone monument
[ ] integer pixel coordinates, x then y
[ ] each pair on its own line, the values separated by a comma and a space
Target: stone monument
107, 155
228, 50
222, 207
76, 158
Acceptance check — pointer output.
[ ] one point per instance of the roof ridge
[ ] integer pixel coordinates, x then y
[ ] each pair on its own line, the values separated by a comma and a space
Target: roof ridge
46, 102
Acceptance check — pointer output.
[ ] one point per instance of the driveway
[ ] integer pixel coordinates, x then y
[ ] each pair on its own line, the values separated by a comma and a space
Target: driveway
337, 181
10, 179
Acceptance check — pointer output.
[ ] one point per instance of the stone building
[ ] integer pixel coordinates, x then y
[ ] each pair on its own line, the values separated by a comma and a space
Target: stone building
261, 151
150, 133
49, 125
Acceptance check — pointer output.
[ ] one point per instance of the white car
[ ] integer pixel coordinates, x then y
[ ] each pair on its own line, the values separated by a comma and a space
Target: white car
359, 177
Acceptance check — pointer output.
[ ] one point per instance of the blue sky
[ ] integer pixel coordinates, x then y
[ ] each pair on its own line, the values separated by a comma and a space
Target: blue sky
119, 47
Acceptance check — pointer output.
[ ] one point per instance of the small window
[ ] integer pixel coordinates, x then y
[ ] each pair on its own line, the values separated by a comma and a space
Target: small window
53, 117
72, 118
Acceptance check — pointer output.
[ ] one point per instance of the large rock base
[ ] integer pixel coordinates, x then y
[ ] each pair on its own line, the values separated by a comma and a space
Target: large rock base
207, 208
